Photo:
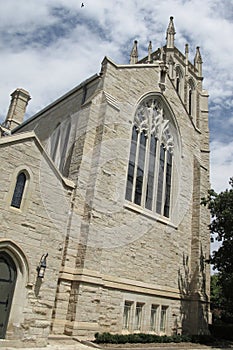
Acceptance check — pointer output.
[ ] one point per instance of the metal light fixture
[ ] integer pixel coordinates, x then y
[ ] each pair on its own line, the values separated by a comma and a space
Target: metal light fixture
42, 266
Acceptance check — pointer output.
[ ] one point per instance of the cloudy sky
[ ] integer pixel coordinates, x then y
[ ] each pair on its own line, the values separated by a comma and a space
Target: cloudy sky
49, 46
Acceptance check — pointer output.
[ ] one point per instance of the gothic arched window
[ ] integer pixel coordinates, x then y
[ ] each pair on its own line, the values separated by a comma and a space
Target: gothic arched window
151, 158
55, 142
19, 190
191, 92
64, 144
178, 84
179, 80
59, 142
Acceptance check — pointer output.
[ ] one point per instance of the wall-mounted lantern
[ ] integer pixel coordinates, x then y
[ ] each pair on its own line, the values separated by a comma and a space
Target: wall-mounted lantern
42, 266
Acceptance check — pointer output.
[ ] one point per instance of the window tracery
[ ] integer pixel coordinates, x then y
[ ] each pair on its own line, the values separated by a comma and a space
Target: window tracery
151, 157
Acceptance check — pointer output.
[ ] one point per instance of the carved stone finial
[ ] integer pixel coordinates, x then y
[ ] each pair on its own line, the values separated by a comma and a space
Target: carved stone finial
170, 38
198, 61
150, 52
198, 58
134, 53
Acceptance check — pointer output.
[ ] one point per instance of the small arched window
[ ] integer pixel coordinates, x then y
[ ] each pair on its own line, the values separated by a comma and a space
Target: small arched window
151, 158
178, 81
190, 101
191, 90
19, 190
178, 84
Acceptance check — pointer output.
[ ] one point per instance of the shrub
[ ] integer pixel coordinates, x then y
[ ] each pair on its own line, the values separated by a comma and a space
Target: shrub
150, 338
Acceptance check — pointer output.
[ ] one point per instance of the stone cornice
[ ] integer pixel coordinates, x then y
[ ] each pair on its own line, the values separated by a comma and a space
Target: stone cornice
124, 284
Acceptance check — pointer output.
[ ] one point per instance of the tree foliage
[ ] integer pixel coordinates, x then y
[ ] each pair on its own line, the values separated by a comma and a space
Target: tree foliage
216, 293
221, 228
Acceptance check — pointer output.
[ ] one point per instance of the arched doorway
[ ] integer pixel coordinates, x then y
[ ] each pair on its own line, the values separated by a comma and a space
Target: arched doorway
8, 275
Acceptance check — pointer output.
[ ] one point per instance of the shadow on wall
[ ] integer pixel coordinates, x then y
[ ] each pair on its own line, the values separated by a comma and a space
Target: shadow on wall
37, 286
194, 308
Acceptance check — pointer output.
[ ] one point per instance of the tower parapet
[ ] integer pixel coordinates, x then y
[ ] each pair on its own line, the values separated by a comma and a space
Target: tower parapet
175, 65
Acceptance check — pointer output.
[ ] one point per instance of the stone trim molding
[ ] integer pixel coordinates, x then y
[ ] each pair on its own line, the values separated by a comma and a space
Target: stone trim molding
106, 281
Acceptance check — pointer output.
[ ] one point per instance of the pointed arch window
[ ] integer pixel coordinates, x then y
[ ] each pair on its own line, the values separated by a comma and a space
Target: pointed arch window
19, 190
55, 142
178, 84
59, 142
190, 101
151, 157
191, 91
178, 80
64, 144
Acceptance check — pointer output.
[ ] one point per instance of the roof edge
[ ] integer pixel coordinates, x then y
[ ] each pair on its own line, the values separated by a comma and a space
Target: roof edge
31, 135
76, 88
129, 65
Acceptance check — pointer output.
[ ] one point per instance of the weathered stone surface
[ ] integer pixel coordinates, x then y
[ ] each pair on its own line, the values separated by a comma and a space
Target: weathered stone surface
103, 250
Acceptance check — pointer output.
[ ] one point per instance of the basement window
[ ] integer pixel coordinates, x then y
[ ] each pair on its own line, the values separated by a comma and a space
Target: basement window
127, 314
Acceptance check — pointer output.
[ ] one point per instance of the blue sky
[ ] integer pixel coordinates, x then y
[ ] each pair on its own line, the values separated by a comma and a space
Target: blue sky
50, 46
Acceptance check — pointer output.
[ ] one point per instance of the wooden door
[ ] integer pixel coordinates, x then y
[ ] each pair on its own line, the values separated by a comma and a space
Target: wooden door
8, 276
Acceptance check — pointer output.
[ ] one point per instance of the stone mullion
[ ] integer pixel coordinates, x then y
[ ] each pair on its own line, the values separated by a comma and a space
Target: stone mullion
156, 172
164, 183
136, 166
145, 172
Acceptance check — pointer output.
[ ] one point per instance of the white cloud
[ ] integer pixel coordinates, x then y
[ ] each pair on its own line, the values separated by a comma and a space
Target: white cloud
51, 46
221, 165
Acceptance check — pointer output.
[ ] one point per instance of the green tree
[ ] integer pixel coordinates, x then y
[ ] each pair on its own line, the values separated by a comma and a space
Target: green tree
221, 228
215, 293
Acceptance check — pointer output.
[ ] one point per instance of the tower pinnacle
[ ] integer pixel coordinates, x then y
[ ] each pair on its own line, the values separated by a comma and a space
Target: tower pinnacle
150, 52
198, 61
134, 53
170, 34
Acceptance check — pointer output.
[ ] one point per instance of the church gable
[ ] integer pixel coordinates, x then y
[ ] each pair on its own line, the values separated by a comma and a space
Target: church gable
103, 201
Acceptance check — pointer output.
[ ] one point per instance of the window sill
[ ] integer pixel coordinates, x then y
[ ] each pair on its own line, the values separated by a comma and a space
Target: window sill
15, 209
149, 214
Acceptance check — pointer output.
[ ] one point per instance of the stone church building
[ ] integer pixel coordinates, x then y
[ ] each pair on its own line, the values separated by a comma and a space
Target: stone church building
101, 224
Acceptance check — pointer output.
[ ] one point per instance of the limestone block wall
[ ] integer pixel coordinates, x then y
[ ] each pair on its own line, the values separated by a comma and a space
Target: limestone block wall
107, 238
29, 232
101, 309
109, 171
120, 240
